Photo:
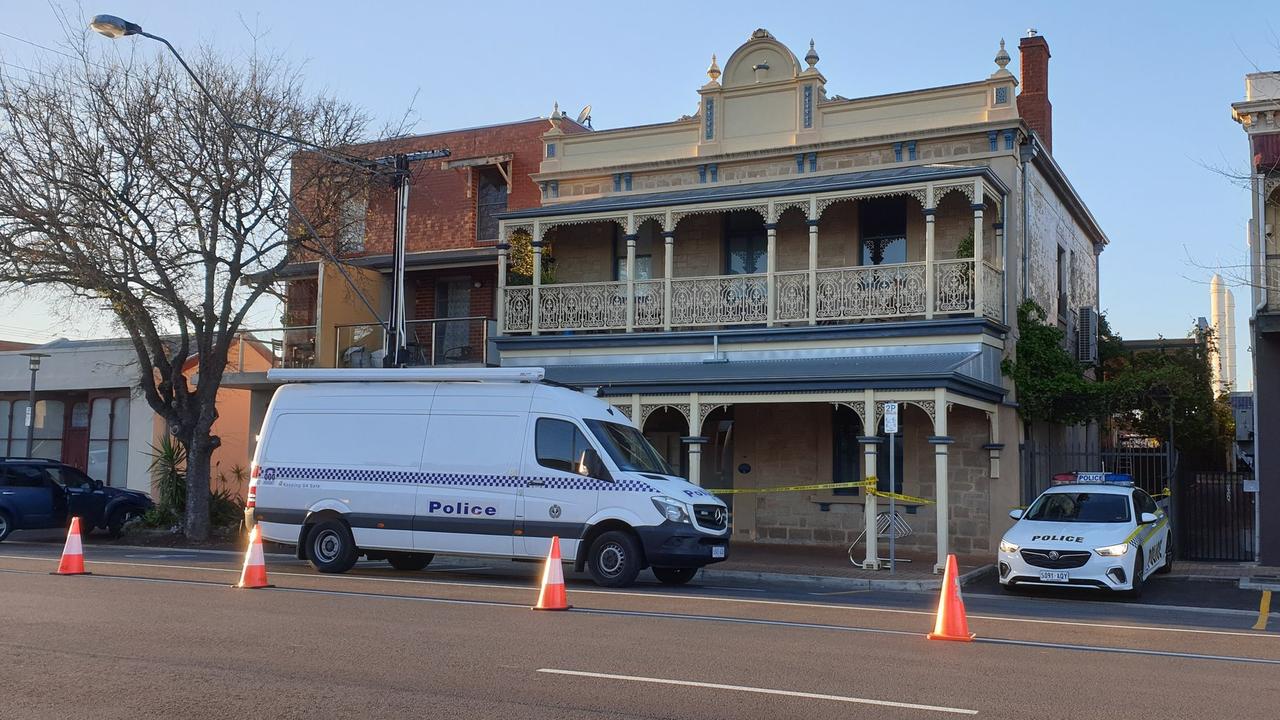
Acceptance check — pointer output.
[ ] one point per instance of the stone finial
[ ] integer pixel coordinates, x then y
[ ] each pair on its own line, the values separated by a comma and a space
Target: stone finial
556, 117
812, 57
713, 71
1002, 57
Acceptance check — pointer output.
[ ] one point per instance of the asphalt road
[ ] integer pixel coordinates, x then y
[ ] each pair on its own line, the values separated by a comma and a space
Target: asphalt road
159, 633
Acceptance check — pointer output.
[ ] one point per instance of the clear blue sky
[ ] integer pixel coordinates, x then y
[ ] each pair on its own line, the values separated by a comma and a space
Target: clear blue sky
1141, 94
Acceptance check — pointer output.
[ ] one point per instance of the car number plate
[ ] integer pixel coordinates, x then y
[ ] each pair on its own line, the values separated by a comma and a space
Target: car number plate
1054, 576
717, 551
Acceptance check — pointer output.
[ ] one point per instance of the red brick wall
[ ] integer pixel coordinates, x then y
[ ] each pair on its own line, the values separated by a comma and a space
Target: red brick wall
423, 300
300, 303
441, 215
1033, 99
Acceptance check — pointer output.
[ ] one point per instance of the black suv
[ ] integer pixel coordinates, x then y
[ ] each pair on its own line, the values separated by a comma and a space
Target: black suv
46, 494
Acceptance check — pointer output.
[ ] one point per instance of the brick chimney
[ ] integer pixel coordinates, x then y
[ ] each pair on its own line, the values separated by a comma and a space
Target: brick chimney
1033, 99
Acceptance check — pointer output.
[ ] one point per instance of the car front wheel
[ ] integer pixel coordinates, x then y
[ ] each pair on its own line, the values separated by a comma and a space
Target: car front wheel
331, 548
1135, 589
615, 559
6, 525
118, 519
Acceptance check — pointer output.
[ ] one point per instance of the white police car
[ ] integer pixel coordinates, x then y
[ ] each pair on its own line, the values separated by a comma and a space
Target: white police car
1096, 531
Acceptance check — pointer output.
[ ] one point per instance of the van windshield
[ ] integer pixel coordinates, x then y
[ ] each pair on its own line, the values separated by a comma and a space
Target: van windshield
628, 448
1082, 507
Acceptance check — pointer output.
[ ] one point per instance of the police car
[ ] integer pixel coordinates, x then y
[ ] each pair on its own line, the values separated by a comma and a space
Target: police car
1096, 530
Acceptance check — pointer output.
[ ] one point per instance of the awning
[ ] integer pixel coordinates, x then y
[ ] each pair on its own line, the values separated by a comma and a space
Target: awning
800, 185
413, 261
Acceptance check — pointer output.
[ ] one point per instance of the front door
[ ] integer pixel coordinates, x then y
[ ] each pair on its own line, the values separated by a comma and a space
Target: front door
75, 439
453, 337
558, 498
85, 498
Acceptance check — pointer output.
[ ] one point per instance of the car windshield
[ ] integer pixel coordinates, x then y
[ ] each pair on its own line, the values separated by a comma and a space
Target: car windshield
1080, 507
628, 448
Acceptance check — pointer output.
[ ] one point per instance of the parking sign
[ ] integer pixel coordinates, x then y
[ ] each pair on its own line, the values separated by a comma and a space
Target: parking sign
891, 417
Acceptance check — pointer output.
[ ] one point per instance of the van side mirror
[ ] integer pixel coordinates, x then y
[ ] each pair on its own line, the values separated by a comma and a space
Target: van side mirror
1148, 518
590, 465
1016, 513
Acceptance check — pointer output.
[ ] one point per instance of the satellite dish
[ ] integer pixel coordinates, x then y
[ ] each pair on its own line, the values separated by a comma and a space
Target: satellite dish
584, 117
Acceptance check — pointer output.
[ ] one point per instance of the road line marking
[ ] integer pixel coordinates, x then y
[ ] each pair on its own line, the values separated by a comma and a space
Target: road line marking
705, 598
678, 616
840, 592
761, 691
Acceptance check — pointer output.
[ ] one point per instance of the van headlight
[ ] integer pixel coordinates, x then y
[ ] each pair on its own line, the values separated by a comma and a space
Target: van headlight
671, 509
1008, 547
1113, 550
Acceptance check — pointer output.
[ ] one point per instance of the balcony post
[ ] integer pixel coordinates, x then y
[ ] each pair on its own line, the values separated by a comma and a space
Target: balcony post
870, 439
668, 259
930, 254
812, 222
771, 268
500, 310
537, 278
978, 251
999, 253
631, 237
940, 441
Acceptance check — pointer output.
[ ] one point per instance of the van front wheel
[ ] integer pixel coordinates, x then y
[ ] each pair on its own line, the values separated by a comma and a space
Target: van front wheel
674, 576
615, 559
331, 548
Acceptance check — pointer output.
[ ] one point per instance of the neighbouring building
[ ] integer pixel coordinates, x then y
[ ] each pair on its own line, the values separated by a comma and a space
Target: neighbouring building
1222, 311
751, 284
1242, 413
1259, 116
90, 412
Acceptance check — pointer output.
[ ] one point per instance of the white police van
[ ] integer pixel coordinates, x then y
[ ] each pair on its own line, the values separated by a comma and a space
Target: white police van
400, 464
1096, 531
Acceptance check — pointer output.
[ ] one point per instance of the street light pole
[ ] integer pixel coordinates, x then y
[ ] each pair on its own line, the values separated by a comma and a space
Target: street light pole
33, 360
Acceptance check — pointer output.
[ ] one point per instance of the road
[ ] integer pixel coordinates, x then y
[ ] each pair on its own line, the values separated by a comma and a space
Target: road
159, 633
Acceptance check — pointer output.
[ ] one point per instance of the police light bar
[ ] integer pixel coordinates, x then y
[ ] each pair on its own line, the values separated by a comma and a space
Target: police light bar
522, 375
1092, 478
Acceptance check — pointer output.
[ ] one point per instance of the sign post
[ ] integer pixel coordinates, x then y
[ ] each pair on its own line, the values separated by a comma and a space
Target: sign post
891, 428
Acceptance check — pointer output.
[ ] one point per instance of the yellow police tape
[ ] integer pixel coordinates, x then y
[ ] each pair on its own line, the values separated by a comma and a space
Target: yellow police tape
1162, 494
791, 488
900, 497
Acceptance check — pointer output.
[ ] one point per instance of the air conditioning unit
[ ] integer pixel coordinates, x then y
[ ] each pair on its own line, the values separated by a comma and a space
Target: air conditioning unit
1087, 336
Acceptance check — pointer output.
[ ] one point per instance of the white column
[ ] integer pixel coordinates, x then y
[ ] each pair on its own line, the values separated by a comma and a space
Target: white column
979, 289
813, 271
668, 260
695, 441
999, 253
537, 277
995, 446
941, 441
771, 267
930, 255
635, 410
631, 281
869, 440
500, 310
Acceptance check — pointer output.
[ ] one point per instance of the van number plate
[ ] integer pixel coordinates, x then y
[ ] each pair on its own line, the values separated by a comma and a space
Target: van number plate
717, 551
1054, 576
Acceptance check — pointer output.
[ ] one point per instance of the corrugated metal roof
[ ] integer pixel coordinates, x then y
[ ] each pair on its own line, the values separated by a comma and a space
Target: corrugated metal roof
853, 369
792, 186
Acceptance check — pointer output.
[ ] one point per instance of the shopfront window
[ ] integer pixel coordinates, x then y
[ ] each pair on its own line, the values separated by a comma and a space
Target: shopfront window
109, 440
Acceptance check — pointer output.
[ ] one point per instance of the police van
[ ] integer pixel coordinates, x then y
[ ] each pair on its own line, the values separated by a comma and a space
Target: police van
1096, 530
400, 464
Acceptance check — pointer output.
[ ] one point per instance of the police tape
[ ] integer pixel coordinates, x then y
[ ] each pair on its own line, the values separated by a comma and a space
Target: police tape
912, 499
792, 488
1162, 494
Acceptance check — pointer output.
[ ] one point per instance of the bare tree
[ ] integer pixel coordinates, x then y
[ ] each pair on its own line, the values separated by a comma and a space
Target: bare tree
121, 183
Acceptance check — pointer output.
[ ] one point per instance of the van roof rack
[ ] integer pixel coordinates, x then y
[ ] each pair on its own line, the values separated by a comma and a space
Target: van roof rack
518, 375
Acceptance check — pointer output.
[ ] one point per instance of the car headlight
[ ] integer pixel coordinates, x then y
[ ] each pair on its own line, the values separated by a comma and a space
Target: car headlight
671, 509
1007, 547
1113, 550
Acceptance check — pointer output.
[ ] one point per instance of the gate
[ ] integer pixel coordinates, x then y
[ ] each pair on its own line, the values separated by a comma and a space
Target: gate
1215, 517
1150, 467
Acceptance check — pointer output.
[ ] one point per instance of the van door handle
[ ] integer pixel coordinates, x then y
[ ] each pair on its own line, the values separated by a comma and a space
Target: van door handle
536, 483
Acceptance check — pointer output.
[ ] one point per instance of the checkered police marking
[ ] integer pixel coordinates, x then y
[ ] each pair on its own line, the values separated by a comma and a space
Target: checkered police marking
450, 479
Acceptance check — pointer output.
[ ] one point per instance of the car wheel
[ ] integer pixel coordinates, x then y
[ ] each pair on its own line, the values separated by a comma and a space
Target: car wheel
6, 525
615, 559
1011, 588
674, 576
409, 561
119, 518
1135, 590
1167, 566
330, 547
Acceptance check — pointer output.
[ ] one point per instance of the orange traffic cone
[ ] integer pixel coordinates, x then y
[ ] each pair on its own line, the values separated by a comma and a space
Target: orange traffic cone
951, 623
552, 595
254, 574
72, 553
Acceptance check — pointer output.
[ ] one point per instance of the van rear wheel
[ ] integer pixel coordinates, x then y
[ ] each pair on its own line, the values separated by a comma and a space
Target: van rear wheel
615, 559
409, 561
331, 548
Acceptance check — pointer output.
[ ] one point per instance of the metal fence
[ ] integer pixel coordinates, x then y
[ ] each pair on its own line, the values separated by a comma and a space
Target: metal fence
1151, 467
1216, 517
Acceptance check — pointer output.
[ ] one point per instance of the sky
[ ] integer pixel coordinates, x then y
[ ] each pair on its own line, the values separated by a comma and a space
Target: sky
1141, 95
